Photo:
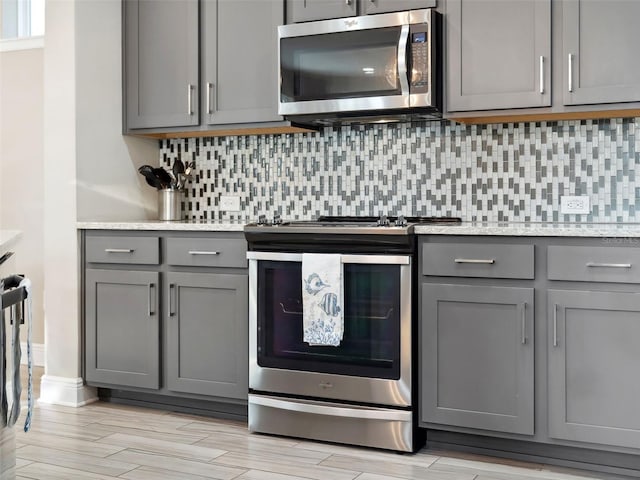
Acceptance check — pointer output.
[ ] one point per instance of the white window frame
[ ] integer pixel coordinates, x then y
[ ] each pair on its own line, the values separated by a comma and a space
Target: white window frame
23, 13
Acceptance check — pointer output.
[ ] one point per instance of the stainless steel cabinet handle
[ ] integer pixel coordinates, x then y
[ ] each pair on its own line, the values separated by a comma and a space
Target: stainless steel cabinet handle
202, 252
489, 261
555, 324
172, 289
608, 265
209, 95
570, 72
541, 74
402, 59
119, 250
348, 2
524, 325
152, 299
190, 99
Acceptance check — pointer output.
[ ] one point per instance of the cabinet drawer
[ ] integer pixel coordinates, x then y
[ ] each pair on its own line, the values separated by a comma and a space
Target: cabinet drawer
469, 260
594, 264
207, 252
108, 249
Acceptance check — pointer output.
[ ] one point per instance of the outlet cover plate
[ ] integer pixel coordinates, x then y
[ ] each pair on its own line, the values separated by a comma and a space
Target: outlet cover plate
229, 203
575, 204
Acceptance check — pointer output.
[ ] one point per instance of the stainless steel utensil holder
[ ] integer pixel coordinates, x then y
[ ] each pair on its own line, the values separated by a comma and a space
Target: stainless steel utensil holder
170, 205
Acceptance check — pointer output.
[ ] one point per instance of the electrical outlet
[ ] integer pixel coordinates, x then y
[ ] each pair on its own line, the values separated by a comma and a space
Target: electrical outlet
579, 205
229, 203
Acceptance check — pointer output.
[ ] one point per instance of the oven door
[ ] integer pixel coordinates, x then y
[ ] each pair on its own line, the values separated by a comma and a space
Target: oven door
371, 365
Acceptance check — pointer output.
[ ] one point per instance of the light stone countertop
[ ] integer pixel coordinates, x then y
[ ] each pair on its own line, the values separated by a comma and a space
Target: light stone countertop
535, 229
516, 229
157, 225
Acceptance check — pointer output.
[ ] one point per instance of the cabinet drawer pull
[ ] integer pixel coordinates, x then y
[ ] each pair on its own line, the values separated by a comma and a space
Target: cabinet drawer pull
524, 324
348, 3
555, 324
119, 250
489, 261
202, 252
608, 265
172, 291
570, 72
152, 299
541, 74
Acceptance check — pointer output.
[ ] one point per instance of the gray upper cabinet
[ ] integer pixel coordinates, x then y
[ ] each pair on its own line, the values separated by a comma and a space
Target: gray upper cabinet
600, 45
240, 60
382, 6
122, 322
498, 53
161, 63
477, 357
307, 10
593, 367
200, 63
207, 334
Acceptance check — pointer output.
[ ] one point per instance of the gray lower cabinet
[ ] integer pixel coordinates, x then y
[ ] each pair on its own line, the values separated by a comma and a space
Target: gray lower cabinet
600, 54
593, 366
122, 327
161, 83
477, 357
498, 54
207, 334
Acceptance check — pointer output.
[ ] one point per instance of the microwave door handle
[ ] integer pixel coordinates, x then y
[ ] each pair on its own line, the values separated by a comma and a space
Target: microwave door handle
402, 59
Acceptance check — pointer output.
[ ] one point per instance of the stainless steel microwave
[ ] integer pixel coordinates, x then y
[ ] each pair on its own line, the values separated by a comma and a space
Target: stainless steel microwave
369, 67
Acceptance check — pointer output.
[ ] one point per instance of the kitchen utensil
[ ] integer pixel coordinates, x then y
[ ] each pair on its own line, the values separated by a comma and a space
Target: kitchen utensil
148, 173
163, 176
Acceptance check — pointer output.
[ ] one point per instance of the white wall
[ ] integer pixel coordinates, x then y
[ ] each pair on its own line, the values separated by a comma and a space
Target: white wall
21, 167
109, 186
90, 169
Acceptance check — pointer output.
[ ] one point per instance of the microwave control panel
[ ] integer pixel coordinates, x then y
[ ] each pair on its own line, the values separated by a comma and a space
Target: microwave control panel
420, 58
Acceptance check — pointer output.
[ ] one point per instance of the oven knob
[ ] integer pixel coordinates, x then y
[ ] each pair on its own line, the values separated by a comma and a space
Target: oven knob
383, 221
401, 221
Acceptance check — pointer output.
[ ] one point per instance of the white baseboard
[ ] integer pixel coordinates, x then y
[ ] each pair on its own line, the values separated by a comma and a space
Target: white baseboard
38, 354
69, 392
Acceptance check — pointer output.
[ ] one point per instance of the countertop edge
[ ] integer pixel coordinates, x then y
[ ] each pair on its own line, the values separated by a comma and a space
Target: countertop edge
620, 230
587, 230
162, 226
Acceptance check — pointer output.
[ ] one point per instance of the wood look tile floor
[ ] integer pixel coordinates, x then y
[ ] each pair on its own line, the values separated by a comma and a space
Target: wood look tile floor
108, 441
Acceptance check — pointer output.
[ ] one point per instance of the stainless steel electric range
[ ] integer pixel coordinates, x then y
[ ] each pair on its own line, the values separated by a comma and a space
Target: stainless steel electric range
361, 392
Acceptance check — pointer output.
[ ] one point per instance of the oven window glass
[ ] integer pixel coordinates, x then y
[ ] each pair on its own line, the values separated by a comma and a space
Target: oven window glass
340, 65
371, 342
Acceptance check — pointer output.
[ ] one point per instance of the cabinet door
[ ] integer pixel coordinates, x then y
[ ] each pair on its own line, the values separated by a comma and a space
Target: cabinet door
600, 45
207, 334
594, 362
477, 357
122, 328
382, 6
161, 63
240, 58
499, 54
307, 10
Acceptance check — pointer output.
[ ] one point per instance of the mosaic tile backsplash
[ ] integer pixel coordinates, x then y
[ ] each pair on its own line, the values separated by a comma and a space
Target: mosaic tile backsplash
500, 172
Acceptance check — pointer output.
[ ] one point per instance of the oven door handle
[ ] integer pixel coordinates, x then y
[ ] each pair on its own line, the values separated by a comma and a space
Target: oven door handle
332, 411
363, 259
